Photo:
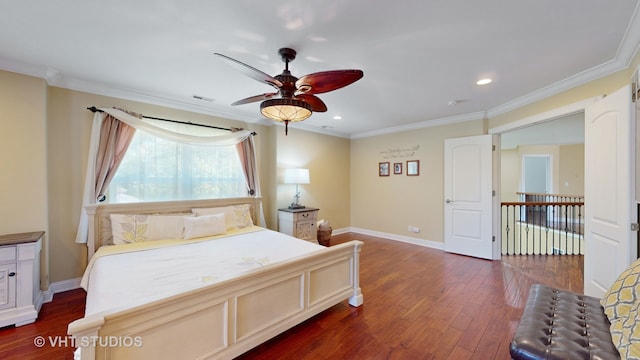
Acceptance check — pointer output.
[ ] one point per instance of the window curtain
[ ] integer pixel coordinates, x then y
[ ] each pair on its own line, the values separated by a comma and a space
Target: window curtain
115, 137
247, 154
97, 177
110, 139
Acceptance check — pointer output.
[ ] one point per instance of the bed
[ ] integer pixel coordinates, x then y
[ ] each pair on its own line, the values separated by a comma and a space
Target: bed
224, 294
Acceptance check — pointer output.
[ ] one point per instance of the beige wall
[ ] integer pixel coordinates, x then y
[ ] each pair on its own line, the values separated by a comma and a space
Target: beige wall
23, 159
328, 161
571, 174
390, 204
510, 174
567, 172
23, 184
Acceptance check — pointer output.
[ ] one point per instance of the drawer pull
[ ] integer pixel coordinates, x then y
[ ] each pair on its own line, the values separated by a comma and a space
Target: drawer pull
12, 274
305, 215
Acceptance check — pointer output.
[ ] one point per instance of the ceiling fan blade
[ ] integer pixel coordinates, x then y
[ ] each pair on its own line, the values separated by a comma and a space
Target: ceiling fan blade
251, 71
255, 98
317, 105
325, 81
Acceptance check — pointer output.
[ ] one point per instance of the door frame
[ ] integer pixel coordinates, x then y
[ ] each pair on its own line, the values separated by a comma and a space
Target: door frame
556, 113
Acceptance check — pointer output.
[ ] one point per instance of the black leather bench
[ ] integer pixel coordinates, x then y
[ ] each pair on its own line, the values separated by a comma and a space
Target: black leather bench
559, 324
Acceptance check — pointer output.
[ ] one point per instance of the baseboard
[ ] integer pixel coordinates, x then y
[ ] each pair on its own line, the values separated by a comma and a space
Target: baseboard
405, 239
58, 287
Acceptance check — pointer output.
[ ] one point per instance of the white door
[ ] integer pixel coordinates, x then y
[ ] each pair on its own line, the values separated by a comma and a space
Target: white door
536, 174
608, 190
468, 186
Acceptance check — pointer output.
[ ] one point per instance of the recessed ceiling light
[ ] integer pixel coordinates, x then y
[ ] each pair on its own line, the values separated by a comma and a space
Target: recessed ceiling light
483, 81
337, 117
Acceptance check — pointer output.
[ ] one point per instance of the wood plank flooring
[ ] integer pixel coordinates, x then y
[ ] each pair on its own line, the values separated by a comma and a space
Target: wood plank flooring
419, 303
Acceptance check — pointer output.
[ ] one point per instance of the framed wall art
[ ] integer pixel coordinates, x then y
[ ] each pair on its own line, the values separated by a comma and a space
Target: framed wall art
383, 169
413, 167
397, 168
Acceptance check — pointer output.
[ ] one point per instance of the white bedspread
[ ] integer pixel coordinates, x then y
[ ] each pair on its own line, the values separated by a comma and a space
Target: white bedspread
131, 278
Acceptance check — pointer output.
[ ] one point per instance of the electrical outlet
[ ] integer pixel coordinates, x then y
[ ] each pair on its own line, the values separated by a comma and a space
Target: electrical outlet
414, 229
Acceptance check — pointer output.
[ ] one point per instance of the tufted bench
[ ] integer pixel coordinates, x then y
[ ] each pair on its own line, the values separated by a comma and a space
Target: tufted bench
558, 324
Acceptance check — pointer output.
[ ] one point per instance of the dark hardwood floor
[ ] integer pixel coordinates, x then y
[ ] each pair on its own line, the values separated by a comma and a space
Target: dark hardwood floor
419, 303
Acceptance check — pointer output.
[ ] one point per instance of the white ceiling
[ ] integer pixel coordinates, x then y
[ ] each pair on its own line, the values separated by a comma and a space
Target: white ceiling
417, 55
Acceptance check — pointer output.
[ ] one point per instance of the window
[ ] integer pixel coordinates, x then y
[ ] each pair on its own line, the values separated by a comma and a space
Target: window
155, 169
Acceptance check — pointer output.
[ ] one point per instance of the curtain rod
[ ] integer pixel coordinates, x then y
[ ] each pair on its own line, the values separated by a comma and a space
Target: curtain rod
95, 109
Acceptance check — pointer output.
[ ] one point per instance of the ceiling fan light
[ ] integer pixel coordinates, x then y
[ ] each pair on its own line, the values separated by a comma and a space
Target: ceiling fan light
285, 109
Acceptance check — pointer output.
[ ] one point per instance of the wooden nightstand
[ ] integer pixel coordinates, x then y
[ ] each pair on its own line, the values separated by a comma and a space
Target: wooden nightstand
300, 223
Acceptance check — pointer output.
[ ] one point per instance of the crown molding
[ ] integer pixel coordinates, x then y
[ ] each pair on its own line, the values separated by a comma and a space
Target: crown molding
627, 49
23, 68
165, 100
421, 125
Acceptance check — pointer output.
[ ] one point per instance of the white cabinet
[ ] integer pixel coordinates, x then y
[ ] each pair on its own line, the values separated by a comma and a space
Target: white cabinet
300, 223
7, 286
20, 295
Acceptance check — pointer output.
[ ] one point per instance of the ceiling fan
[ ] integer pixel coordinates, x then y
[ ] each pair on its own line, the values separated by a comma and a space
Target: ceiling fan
295, 98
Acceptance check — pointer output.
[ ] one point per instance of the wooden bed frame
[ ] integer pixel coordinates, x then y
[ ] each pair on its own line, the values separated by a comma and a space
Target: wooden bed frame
222, 320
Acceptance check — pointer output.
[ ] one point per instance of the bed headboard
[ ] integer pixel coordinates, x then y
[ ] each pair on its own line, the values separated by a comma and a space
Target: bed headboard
100, 221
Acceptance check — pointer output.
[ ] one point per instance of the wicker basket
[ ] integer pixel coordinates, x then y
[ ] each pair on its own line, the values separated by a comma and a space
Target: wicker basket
324, 236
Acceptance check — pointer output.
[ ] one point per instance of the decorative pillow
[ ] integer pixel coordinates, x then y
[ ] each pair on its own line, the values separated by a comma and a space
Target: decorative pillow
206, 225
228, 211
243, 215
159, 227
123, 228
625, 333
623, 294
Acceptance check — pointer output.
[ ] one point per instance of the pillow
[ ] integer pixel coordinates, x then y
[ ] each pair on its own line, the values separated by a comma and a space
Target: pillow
159, 227
243, 215
206, 225
623, 294
228, 211
123, 228
625, 334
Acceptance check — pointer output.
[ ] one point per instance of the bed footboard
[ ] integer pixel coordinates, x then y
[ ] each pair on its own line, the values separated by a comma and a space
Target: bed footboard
226, 319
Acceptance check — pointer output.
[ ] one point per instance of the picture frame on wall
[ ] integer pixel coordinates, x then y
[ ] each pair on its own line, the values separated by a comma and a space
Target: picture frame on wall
383, 169
397, 168
413, 167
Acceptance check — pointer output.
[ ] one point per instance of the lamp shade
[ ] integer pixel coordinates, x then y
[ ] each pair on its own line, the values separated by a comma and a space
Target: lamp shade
296, 176
285, 109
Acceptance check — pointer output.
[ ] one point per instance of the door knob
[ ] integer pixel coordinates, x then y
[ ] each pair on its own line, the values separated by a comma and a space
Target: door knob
448, 201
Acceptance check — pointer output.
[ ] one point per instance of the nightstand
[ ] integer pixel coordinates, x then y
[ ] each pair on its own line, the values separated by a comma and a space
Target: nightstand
20, 297
300, 223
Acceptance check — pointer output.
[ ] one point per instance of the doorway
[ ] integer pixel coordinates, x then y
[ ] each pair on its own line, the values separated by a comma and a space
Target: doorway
536, 174
536, 180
